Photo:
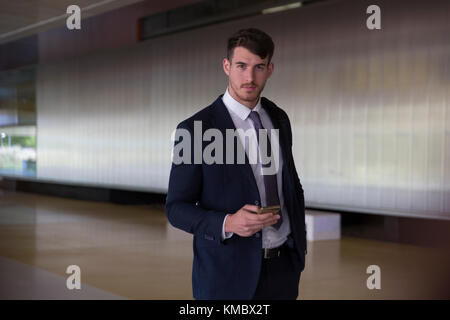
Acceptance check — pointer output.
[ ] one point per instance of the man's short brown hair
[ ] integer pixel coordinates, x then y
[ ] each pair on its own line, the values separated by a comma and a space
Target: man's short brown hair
254, 40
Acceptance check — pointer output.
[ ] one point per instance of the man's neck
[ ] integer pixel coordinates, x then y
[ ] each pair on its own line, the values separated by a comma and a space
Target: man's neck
248, 104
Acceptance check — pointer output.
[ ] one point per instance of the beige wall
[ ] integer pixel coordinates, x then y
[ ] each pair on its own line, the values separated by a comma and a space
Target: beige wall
369, 109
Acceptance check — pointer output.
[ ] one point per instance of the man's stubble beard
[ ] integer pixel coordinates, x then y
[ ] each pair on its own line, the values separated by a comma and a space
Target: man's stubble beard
252, 100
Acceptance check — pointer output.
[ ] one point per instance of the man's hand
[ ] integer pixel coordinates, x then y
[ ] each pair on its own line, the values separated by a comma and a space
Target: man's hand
246, 222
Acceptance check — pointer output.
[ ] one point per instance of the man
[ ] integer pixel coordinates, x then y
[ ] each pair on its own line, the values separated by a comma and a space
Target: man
238, 253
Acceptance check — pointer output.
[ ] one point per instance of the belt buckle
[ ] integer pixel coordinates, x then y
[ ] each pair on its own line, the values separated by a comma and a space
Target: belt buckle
268, 256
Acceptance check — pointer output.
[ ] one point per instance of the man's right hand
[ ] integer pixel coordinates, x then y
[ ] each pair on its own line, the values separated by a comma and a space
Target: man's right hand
246, 222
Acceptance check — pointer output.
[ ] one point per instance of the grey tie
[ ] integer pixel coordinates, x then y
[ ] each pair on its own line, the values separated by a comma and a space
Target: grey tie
270, 181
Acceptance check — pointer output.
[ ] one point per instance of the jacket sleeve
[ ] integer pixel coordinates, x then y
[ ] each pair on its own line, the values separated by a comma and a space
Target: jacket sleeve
183, 203
298, 185
289, 138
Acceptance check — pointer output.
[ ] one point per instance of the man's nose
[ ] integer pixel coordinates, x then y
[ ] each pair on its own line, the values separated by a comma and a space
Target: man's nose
249, 76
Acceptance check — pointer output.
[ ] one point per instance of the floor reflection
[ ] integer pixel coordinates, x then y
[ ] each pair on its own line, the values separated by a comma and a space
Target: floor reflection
132, 252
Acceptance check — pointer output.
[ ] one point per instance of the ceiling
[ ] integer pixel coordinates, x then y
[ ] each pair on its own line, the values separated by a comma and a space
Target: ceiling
20, 18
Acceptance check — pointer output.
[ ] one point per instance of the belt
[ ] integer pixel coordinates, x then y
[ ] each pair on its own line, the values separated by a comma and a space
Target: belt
272, 252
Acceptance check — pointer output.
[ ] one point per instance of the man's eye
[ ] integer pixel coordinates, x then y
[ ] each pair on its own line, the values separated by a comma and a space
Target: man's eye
240, 66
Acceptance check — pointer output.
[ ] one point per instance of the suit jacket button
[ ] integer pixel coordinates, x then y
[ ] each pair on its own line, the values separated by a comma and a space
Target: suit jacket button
256, 203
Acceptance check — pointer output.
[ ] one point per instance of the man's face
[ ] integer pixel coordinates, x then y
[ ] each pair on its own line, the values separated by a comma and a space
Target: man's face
247, 74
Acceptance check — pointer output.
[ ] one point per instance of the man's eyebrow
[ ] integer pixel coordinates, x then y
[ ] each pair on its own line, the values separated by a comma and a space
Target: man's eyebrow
259, 64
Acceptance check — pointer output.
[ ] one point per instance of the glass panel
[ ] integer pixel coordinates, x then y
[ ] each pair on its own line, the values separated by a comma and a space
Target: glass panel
18, 151
18, 122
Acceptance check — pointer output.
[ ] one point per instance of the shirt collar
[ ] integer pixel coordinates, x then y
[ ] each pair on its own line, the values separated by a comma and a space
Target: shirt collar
238, 108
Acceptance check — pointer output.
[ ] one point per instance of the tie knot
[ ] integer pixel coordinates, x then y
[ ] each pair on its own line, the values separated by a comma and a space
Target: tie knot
256, 119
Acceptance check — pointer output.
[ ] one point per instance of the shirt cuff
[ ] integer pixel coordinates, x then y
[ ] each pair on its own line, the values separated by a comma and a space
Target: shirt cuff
226, 235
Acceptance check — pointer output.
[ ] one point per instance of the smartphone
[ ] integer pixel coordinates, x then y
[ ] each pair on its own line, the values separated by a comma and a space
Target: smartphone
273, 209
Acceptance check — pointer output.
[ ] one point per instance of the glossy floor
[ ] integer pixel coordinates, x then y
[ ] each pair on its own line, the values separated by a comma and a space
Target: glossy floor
132, 252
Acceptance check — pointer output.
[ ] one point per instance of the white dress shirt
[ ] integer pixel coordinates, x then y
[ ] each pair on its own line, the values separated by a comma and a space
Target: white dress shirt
271, 238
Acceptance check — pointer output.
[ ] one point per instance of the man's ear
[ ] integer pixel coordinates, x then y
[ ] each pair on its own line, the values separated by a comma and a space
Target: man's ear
226, 66
270, 69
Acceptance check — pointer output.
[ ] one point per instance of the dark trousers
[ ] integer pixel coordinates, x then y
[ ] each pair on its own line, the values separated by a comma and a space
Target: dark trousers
279, 278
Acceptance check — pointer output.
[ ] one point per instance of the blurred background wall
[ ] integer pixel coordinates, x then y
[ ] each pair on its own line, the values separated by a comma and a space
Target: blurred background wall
369, 108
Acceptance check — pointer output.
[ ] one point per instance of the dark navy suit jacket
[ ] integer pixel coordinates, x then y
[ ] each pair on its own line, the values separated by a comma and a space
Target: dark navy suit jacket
201, 195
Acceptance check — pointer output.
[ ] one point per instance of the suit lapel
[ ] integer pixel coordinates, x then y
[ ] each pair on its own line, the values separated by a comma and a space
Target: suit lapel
278, 123
222, 121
